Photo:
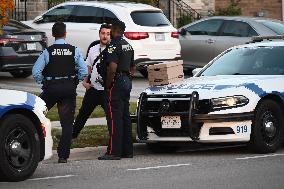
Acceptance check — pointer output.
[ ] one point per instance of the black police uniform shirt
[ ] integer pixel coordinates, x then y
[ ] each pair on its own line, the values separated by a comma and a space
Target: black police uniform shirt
120, 52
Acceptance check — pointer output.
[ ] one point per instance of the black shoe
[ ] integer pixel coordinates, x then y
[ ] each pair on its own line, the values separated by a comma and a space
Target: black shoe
62, 160
127, 156
109, 157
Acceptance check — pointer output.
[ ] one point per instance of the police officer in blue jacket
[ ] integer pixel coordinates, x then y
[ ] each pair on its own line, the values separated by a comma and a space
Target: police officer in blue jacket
59, 69
119, 59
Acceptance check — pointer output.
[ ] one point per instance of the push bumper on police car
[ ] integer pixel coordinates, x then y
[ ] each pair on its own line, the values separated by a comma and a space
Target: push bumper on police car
185, 118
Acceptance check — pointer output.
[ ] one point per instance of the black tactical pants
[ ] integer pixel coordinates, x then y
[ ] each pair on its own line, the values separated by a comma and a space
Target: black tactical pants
119, 122
63, 93
91, 100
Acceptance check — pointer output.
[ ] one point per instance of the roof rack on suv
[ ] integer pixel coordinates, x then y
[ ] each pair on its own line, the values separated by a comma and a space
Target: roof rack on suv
262, 38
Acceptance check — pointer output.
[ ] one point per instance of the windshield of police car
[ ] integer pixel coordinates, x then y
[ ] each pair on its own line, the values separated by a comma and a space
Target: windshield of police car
248, 61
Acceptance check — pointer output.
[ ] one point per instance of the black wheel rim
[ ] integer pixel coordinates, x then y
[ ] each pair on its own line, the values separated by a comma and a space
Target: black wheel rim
270, 127
18, 148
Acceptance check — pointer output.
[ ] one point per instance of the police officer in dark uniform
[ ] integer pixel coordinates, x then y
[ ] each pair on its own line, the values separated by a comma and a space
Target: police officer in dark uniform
119, 58
58, 69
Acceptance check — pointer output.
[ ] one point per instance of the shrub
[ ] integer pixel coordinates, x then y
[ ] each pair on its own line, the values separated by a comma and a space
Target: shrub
231, 10
183, 20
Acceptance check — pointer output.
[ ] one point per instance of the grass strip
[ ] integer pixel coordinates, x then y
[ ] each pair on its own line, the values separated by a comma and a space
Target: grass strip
98, 112
90, 136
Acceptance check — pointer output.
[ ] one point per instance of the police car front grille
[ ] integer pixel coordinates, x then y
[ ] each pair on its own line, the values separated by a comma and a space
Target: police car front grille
184, 131
174, 106
204, 106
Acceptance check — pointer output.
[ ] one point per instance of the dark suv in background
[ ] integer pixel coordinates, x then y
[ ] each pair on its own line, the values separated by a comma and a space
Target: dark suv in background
20, 47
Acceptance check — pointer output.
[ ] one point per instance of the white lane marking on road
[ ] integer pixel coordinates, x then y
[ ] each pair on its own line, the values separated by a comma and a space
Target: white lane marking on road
158, 167
263, 156
55, 177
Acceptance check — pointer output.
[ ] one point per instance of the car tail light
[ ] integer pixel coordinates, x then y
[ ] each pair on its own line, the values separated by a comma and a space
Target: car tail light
4, 41
136, 35
175, 35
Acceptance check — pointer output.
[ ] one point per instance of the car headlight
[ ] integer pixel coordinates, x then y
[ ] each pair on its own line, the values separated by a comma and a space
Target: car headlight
229, 102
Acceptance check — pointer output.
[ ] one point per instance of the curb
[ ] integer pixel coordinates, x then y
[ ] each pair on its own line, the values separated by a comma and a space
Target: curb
90, 122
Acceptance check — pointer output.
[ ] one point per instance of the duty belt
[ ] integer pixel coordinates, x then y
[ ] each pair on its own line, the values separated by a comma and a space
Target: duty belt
58, 78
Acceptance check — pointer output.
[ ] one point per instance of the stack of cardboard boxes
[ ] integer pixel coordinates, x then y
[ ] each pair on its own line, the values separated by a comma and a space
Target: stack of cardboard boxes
165, 73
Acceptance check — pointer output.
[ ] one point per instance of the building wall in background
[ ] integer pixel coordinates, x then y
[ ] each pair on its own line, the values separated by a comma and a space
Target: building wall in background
265, 8
35, 8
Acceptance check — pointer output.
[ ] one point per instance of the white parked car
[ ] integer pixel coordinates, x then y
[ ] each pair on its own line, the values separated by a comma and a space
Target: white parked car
237, 97
151, 35
25, 134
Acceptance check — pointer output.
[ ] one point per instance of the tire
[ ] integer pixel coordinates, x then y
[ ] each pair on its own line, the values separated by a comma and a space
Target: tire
161, 148
267, 128
144, 73
21, 73
19, 163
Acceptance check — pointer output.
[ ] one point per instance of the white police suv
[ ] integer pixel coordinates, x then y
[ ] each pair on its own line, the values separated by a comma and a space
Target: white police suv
237, 97
25, 134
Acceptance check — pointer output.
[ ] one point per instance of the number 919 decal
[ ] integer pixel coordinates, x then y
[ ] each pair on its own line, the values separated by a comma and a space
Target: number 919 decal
242, 129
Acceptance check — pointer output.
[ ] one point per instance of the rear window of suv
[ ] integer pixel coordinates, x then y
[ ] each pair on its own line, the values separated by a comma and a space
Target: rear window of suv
149, 18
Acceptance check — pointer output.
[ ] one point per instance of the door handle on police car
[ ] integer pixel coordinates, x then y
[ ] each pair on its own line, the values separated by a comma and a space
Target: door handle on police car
93, 28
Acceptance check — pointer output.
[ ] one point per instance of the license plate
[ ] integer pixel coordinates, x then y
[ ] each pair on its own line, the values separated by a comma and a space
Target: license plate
31, 46
171, 122
160, 37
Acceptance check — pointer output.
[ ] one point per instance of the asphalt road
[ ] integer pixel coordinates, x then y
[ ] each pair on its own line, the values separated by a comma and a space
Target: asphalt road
28, 84
200, 168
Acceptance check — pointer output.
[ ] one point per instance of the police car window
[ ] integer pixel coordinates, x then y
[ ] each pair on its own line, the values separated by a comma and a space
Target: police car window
109, 17
277, 27
63, 14
238, 29
88, 14
149, 18
207, 27
249, 61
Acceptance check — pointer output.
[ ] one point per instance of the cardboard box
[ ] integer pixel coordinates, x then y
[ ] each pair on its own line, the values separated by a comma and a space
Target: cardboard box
165, 73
